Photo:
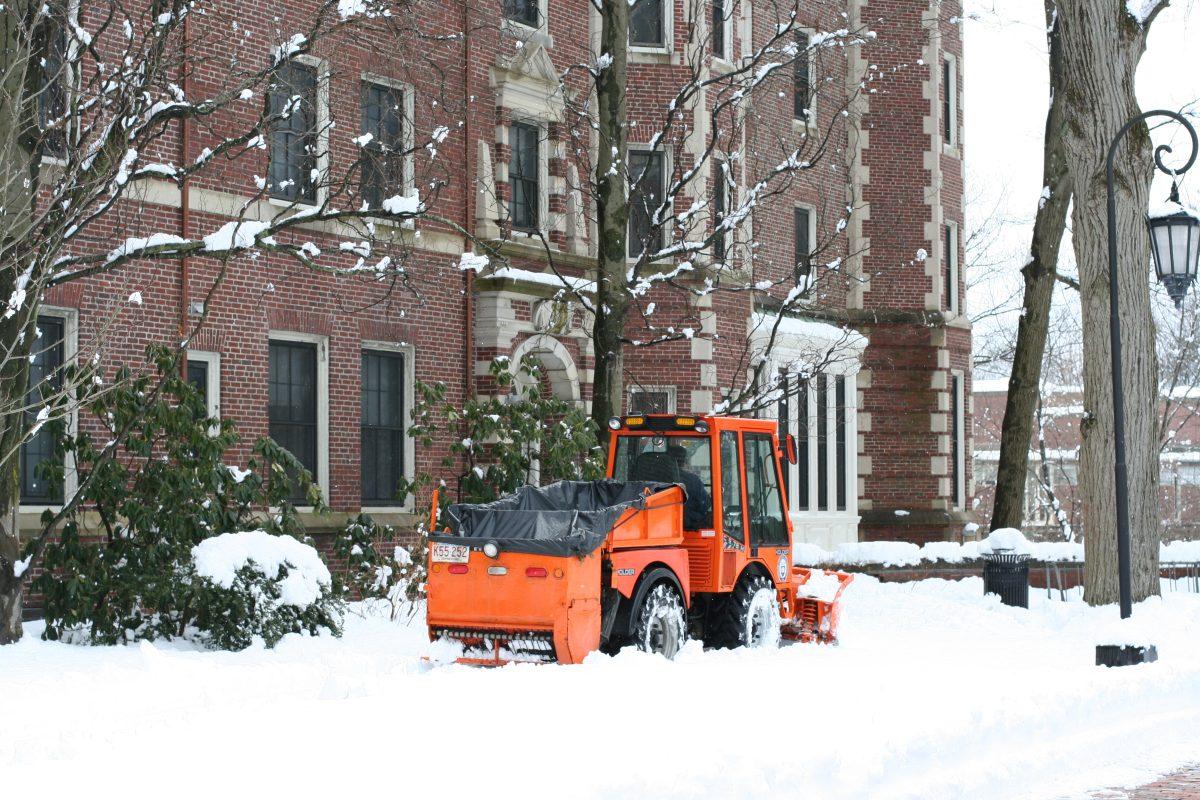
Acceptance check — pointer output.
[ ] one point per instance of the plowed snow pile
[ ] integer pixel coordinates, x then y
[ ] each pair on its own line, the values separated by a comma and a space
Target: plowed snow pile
935, 692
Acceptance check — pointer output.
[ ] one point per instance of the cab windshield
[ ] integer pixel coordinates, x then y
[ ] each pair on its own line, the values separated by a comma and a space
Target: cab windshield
686, 460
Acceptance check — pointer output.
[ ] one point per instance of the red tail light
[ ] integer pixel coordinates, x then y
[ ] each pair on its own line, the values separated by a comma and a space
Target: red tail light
457, 569
535, 572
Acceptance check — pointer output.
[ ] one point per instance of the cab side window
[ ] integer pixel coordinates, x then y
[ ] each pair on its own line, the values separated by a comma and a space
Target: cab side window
731, 487
762, 492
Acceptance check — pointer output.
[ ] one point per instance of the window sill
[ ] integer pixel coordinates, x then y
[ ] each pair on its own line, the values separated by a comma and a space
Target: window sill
646, 54
722, 65
805, 126
950, 150
407, 508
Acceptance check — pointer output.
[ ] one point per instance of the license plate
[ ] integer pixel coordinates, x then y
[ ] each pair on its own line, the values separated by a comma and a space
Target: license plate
451, 553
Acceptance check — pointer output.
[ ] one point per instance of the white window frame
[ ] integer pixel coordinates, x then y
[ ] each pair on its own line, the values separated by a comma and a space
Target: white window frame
951, 291
407, 134
830, 424
543, 164
322, 343
670, 391
668, 11
410, 451
212, 389
323, 121
809, 122
667, 172
958, 446
70, 318
951, 93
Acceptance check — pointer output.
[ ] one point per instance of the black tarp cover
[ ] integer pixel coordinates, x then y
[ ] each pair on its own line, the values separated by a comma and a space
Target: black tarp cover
564, 518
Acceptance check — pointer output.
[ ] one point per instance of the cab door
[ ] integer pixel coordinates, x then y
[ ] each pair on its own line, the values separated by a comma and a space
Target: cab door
728, 503
766, 513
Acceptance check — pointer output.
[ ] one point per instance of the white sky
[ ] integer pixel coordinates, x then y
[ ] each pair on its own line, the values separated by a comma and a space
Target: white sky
1006, 92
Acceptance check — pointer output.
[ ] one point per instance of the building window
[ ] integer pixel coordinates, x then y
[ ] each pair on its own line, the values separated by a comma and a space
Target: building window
523, 171
720, 209
204, 374
950, 100
525, 12
957, 441
950, 266
41, 453
294, 174
719, 38
819, 413
651, 400
292, 405
384, 154
646, 175
383, 428
802, 93
803, 244
647, 27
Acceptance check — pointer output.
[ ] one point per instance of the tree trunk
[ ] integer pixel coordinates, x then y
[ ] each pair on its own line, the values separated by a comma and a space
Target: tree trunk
19, 162
1102, 45
1025, 379
612, 214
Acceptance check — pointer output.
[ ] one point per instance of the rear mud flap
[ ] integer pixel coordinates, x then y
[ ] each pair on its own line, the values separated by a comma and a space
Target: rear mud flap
581, 634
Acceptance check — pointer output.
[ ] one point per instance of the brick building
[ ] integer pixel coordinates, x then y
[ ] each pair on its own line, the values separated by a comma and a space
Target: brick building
326, 362
1052, 501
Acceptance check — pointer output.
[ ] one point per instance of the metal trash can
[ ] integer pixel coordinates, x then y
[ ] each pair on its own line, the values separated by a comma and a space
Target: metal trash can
1007, 575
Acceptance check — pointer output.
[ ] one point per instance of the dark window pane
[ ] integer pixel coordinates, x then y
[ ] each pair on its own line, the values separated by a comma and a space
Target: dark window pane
762, 492
803, 240
294, 139
822, 443
956, 451
524, 11
718, 28
802, 499
731, 487
383, 155
382, 426
720, 209
197, 376
783, 414
948, 257
523, 175
53, 100
292, 403
948, 90
646, 23
801, 78
41, 452
646, 176
840, 409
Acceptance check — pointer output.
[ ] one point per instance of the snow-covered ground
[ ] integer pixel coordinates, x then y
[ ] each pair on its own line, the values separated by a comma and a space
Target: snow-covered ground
935, 692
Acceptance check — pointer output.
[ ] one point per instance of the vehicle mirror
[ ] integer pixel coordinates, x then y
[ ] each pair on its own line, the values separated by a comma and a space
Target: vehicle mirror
789, 449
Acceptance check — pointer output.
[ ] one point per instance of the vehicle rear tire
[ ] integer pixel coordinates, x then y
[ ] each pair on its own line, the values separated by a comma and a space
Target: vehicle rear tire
661, 621
749, 617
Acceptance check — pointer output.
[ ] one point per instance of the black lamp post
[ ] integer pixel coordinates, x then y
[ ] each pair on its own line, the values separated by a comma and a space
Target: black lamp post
1175, 245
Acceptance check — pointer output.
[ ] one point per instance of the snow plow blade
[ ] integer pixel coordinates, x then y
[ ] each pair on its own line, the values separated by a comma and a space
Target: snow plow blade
816, 605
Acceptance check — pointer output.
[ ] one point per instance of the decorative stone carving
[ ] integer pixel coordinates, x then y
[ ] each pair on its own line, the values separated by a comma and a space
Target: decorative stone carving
552, 316
487, 205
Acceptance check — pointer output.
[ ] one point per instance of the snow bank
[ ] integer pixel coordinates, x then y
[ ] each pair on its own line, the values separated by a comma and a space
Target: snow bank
936, 692
220, 558
906, 554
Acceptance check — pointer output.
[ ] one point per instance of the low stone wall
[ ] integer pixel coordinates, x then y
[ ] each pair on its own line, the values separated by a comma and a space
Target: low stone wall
1053, 575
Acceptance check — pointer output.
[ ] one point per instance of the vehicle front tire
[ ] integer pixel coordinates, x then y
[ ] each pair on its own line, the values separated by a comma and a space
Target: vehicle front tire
661, 621
750, 616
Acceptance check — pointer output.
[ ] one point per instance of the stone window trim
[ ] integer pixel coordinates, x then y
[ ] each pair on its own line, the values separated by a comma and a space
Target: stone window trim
725, 58
323, 127
409, 353
948, 108
654, 53
70, 319
951, 272
322, 343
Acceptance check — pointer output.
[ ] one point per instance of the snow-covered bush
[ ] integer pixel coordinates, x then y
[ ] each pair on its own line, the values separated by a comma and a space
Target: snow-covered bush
254, 584
120, 568
379, 568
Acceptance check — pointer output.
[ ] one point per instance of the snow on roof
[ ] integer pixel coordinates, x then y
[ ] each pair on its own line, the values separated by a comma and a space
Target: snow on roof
543, 278
795, 332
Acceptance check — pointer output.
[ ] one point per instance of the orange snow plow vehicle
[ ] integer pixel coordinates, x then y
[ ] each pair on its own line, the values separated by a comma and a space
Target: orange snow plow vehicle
688, 537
